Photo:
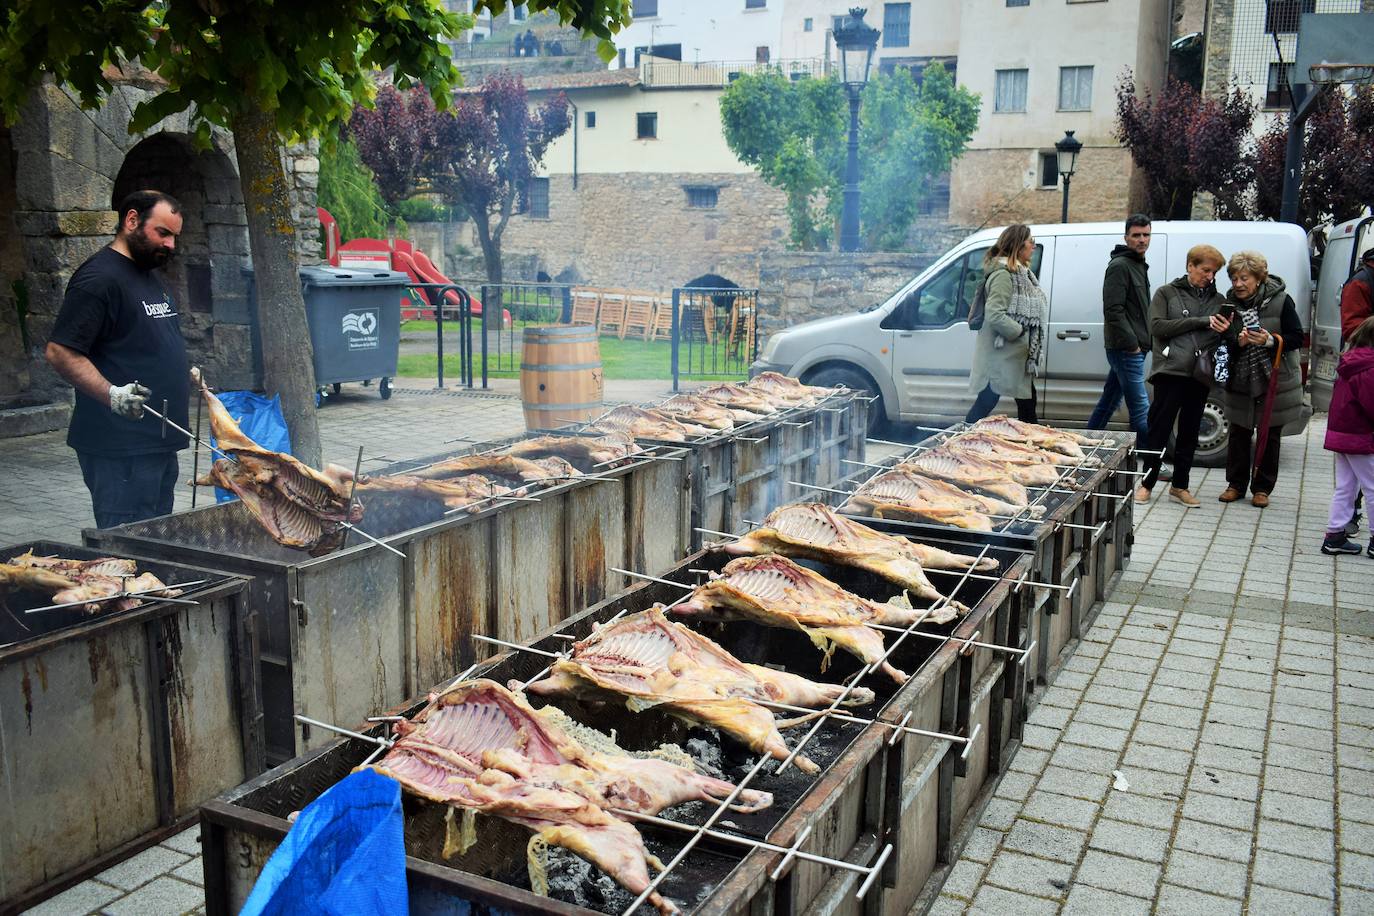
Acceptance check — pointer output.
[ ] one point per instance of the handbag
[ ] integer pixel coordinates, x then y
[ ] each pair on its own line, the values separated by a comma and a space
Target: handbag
1205, 366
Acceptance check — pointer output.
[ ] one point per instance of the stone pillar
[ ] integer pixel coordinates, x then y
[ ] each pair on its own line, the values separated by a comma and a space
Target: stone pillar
1216, 64
303, 178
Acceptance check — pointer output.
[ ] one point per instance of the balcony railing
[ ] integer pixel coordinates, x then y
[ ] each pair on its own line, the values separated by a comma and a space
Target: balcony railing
658, 72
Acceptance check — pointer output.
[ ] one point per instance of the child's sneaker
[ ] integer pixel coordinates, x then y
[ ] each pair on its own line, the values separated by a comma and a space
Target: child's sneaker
1352, 527
1339, 543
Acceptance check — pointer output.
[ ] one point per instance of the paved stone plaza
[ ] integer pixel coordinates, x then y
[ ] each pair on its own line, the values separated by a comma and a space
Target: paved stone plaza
1230, 681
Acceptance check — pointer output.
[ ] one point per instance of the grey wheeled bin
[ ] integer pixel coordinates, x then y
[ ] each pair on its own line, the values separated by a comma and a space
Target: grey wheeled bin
355, 324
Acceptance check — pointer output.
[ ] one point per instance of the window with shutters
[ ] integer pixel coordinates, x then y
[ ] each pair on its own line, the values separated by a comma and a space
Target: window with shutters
1049, 169
896, 25
1075, 88
1278, 94
755, 4
808, 24
642, 8
646, 125
1018, 2
702, 198
591, 119
538, 194
1009, 94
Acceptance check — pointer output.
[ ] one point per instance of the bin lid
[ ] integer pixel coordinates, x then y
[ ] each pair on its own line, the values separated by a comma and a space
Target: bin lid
351, 276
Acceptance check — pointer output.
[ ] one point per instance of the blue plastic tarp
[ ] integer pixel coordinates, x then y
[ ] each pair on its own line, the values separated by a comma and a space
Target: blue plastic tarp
345, 856
260, 419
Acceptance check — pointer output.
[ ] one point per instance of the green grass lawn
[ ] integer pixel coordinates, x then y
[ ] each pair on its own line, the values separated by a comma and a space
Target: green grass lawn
620, 359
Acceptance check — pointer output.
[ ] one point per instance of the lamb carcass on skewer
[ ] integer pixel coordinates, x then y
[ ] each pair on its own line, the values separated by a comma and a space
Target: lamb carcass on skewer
773, 591
738, 397
813, 531
1026, 473
507, 467
688, 408
297, 505
1016, 452
483, 747
970, 471
642, 423
904, 494
1046, 437
584, 453
92, 582
473, 492
653, 662
789, 389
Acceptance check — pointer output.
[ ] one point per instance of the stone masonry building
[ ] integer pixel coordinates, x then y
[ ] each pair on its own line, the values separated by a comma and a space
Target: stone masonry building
62, 168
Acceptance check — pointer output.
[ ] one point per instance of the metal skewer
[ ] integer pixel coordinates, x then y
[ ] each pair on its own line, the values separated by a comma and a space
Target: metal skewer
1020, 517
125, 594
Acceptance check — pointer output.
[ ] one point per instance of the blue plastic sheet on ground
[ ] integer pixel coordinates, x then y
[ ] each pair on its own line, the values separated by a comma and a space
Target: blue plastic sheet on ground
260, 419
345, 856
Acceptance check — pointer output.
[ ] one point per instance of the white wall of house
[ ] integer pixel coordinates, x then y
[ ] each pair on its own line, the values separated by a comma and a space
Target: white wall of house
708, 30
932, 28
689, 136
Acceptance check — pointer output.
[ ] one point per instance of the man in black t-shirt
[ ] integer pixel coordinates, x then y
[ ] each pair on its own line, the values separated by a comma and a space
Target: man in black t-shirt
118, 341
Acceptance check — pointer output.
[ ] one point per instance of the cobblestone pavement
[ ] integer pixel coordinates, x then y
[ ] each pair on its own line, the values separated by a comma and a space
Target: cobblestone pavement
1229, 682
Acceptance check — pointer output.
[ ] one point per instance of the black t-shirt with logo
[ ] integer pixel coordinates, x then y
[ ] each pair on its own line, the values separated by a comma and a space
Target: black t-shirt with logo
123, 320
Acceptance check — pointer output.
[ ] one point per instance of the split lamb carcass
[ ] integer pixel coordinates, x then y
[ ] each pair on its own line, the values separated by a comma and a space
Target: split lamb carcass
34, 578
896, 495
507, 467
482, 747
688, 408
1046, 437
584, 453
738, 397
92, 583
970, 471
788, 389
814, 531
297, 505
642, 423
473, 492
1026, 473
1017, 452
773, 591
653, 662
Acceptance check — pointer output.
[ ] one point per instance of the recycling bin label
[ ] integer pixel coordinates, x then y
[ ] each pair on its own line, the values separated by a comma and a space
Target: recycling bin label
359, 329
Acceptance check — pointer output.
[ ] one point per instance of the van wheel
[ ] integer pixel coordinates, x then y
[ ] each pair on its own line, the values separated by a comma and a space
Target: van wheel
1212, 435
831, 376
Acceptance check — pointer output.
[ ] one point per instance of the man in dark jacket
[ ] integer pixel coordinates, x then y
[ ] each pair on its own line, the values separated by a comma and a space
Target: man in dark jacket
1126, 329
1357, 296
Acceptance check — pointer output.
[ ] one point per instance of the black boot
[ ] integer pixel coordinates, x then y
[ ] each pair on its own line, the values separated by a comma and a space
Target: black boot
1339, 543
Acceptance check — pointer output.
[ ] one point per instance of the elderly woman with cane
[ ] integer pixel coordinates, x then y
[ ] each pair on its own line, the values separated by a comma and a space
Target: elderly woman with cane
1264, 390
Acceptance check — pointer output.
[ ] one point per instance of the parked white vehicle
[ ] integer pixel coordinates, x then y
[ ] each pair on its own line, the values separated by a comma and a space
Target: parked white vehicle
914, 350
1344, 244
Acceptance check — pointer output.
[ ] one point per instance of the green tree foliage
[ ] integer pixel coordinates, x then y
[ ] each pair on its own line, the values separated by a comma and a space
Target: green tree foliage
267, 71
348, 190
795, 134
909, 133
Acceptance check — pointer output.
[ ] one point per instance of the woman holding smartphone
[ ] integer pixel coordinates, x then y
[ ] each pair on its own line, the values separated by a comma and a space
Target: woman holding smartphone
1265, 318
1183, 320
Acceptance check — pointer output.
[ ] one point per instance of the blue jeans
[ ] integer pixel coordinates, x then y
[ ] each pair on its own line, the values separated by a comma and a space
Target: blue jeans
1126, 379
131, 488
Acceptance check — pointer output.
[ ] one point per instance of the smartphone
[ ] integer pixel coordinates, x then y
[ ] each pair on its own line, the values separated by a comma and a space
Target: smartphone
1227, 311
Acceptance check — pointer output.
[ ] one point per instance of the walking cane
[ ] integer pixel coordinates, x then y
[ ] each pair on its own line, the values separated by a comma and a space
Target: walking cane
1267, 413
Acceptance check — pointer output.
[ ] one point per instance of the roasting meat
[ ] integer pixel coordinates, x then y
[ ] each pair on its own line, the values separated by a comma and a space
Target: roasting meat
646, 423
585, 453
1045, 437
1000, 449
815, 532
688, 408
738, 397
653, 662
1026, 474
91, 582
482, 747
777, 385
904, 494
969, 471
297, 505
774, 591
472, 491
509, 468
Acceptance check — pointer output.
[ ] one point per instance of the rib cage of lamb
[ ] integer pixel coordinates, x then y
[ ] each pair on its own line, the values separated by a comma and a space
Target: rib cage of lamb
482, 747
648, 423
653, 662
297, 505
92, 582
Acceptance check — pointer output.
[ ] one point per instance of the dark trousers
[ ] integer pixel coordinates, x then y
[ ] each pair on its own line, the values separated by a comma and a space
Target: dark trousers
1177, 398
987, 400
1239, 460
131, 488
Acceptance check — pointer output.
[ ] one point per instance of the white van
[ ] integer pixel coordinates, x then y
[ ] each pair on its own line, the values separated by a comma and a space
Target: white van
1344, 244
914, 350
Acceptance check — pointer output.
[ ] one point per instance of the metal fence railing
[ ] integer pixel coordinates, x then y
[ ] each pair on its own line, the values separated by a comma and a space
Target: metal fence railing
507, 308
715, 332
451, 306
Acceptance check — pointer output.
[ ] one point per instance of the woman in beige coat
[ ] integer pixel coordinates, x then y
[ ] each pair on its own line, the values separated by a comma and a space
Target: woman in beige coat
1007, 353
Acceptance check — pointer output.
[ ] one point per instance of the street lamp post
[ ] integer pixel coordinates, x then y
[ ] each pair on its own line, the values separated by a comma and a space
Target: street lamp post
1067, 150
856, 41
1304, 103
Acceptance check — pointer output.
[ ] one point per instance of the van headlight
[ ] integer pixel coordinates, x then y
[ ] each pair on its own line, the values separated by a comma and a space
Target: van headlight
770, 348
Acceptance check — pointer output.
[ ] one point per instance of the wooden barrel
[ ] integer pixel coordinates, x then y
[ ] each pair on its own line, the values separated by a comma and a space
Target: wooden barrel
560, 375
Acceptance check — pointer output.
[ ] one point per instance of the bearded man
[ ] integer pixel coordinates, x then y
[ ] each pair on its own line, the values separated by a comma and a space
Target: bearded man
117, 340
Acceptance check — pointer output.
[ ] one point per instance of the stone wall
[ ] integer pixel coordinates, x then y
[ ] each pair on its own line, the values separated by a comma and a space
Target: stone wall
14, 368
797, 286
997, 187
636, 230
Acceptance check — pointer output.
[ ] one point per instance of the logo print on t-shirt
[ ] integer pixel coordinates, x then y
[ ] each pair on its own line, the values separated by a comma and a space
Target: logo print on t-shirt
161, 309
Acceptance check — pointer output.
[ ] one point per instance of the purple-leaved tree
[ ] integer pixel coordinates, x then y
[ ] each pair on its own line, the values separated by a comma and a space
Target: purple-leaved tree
393, 138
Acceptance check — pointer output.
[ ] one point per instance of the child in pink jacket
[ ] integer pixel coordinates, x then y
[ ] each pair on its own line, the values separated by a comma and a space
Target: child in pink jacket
1350, 434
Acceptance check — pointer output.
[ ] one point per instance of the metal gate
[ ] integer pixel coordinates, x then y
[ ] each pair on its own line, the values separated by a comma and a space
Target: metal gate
715, 332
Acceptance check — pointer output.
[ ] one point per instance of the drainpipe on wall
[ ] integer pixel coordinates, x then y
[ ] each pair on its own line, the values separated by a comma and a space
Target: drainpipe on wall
577, 116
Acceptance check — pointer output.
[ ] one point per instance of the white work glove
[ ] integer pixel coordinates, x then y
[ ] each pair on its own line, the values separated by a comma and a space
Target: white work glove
127, 400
